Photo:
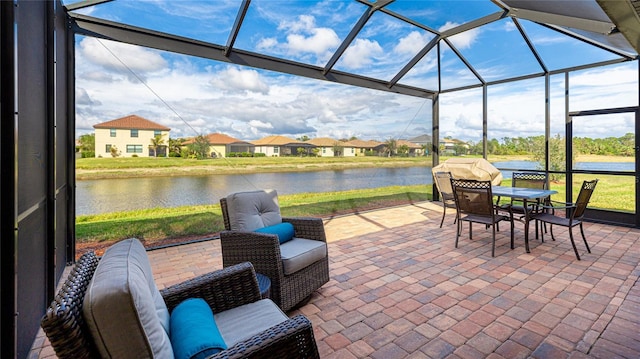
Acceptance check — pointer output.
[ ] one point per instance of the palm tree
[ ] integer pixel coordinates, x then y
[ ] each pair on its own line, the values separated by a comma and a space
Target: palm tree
200, 147
175, 145
391, 146
156, 142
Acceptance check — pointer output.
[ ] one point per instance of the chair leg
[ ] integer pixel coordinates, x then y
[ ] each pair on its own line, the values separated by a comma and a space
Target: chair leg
458, 230
584, 239
551, 230
493, 243
573, 243
444, 212
470, 231
512, 243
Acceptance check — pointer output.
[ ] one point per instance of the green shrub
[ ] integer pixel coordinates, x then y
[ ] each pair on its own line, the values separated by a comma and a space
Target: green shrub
88, 154
259, 154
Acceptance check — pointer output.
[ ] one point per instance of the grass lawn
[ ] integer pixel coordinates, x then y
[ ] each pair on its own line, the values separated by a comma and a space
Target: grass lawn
96, 168
159, 224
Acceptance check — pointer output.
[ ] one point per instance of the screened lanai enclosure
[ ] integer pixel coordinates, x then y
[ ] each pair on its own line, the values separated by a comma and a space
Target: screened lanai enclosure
489, 73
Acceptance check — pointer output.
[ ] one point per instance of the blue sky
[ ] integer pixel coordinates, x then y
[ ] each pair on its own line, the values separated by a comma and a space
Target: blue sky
192, 95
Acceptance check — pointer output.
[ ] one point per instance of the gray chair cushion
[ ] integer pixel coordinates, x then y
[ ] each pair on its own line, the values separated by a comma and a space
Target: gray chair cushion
249, 211
123, 308
243, 322
299, 253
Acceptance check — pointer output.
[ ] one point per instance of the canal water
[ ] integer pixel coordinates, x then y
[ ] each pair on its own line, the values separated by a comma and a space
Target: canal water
112, 195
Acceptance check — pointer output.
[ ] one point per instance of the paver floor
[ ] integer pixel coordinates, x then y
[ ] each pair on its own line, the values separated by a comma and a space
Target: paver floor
399, 289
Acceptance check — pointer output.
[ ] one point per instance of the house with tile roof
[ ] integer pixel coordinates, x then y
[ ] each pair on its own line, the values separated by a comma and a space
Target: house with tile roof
362, 147
275, 146
452, 146
413, 148
131, 136
329, 147
425, 141
224, 145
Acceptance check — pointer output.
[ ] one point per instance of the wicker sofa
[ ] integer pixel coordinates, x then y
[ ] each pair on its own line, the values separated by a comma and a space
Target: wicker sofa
290, 284
232, 291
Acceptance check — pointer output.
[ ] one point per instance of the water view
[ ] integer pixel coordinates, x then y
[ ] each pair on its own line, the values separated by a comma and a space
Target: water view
112, 195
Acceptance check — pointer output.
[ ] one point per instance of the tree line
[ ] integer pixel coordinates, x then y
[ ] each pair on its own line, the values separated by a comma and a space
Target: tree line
608, 146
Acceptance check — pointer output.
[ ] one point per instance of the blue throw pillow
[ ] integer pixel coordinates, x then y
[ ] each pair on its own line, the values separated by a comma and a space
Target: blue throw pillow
284, 231
194, 333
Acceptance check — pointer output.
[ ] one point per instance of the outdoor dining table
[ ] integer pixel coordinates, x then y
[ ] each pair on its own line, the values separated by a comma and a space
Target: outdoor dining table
525, 195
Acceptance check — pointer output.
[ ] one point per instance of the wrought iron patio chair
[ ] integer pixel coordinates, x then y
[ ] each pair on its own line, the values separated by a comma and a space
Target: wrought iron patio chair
534, 180
573, 215
443, 183
474, 204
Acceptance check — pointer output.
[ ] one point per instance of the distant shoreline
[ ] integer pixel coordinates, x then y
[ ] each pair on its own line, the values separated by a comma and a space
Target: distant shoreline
107, 168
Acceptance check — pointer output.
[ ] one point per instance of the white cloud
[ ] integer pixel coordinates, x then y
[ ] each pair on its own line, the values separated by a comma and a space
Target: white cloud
260, 124
412, 43
320, 41
303, 38
83, 98
303, 23
115, 56
462, 40
361, 53
234, 79
509, 26
267, 43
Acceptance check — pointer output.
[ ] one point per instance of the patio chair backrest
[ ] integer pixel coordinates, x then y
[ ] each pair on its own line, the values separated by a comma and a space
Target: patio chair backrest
473, 197
63, 322
443, 182
249, 211
529, 180
583, 198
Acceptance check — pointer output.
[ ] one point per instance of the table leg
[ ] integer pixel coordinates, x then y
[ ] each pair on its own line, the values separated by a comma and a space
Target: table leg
526, 225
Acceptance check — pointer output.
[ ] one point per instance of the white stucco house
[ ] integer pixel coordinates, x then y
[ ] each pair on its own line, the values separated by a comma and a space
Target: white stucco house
131, 136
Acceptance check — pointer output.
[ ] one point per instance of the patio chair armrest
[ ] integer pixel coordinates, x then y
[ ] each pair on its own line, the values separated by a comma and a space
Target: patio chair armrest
261, 249
562, 205
308, 227
222, 289
292, 338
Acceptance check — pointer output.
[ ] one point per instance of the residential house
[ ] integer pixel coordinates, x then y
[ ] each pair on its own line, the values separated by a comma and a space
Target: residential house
362, 147
424, 141
414, 149
131, 136
329, 147
452, 146
275, 146
222, 145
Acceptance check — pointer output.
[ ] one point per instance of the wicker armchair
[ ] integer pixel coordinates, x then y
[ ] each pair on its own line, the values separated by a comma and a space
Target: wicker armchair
229, 288
264, 252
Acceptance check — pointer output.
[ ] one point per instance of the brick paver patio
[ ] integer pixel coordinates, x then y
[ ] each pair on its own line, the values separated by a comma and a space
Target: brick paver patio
399, 289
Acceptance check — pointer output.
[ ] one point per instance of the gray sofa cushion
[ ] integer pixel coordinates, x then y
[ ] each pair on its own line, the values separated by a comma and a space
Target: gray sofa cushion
249, 211
299, 253
243, 322
123, 308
